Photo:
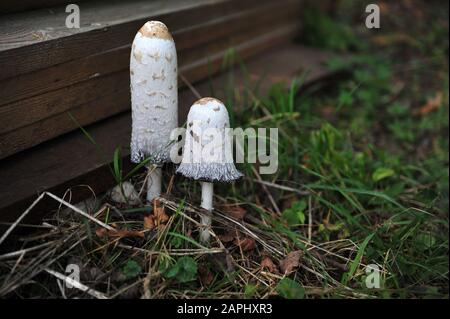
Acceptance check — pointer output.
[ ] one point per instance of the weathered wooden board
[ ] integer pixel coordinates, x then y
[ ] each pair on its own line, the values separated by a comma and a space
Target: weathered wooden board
72, 160
192, 43
108, 104
34, 109
211, 64
34, 40
8, 6
61, 123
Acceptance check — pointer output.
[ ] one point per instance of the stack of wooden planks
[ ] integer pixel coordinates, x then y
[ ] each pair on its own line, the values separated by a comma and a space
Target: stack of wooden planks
48, 70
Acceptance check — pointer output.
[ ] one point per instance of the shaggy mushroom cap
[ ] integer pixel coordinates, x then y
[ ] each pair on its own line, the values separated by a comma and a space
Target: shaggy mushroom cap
154, 93
207, 153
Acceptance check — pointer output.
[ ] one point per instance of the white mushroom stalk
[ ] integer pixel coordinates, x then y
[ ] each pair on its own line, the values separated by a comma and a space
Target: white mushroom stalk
154, 99
207, 152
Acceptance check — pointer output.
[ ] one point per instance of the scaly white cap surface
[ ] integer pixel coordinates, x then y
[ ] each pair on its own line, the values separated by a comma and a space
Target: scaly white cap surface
154, 92
207, 152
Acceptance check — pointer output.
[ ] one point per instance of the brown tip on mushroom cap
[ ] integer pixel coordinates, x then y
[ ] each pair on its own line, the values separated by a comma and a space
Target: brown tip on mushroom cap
155, 29
206, 100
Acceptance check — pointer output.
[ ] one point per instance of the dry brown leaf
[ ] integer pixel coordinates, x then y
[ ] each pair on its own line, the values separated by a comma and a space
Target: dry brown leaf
432, 104
226, 238
127, 233
267, 263
149, 222
229, 236
157, 218
206, 276
160, 215
246, 243
223, 261
234, 211
291, 262
101, 232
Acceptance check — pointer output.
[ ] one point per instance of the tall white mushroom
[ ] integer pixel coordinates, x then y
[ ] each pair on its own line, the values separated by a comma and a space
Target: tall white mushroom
154, 99
207, 152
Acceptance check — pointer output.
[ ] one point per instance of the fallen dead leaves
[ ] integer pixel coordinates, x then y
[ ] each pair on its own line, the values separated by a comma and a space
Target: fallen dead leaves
158, 217
286, 266
246, 243
233, 210
291, 262
268, 264
227, 237
432, 104
150, 222
243, 242
118, 233
205, 275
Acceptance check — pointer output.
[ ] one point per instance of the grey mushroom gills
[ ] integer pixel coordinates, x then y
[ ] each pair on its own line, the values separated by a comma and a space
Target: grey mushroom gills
207, 201
154, 182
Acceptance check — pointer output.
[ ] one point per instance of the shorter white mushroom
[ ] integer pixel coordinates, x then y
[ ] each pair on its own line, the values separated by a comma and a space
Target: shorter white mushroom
207, 152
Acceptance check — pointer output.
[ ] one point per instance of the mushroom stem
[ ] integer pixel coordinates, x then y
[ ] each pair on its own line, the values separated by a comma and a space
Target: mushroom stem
207, 203
154, 182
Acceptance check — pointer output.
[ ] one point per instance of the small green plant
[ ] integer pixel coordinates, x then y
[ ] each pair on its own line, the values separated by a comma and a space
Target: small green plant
184, 270
131, 269
382, 173
290, 289
250, 291
295, 216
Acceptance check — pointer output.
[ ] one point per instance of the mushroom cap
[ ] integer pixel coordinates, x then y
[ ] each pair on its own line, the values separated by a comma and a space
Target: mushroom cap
207, 152
155, 29
154, 93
